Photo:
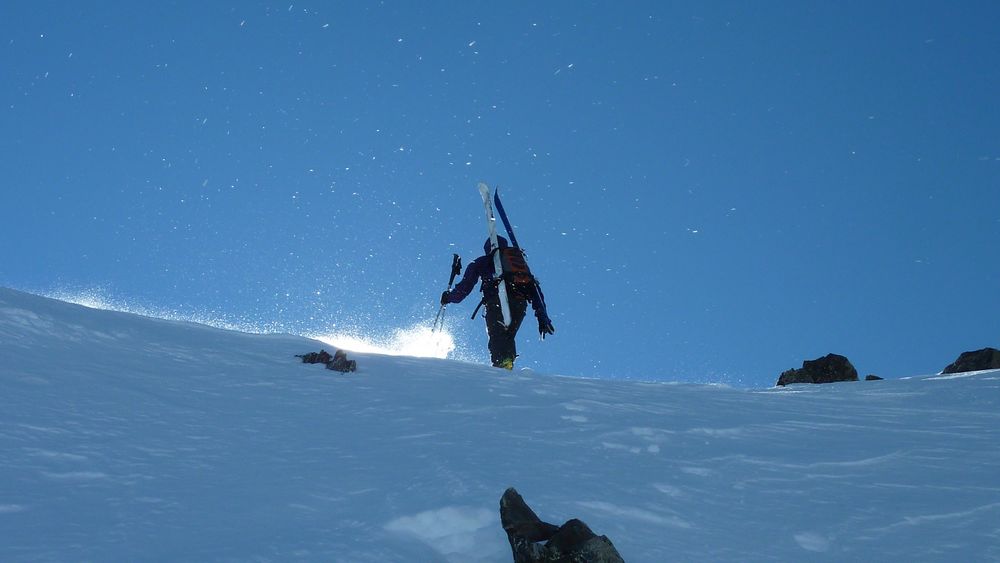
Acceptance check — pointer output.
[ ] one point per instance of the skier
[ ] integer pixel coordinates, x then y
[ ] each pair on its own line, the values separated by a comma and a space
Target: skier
503, 350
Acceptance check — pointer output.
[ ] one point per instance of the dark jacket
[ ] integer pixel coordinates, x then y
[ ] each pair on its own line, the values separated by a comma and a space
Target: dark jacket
481, 269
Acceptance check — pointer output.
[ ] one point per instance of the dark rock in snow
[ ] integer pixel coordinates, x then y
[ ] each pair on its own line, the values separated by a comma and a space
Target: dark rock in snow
573, 542
320, 357
828, 369
337, 362
341, 363
872, 378
987, 358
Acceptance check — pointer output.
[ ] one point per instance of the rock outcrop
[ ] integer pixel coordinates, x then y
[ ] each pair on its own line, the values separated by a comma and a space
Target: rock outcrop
828, 369
987, 358
337, 362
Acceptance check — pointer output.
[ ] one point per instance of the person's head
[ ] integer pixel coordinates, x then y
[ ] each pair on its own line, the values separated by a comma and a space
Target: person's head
501, 242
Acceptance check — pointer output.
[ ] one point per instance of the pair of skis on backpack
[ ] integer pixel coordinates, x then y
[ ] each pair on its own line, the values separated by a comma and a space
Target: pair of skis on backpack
509, 264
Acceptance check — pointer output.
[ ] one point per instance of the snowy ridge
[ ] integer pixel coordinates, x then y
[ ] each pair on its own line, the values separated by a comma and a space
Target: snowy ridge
131, 438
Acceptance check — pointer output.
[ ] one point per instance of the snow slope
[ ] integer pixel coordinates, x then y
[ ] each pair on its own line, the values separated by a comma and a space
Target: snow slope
130, 438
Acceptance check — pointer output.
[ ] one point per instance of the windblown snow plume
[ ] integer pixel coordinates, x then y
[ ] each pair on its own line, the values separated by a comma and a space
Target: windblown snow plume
418, 341
100, 298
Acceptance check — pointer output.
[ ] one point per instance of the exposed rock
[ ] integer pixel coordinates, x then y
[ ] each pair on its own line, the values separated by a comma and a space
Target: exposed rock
870, 377
341, 363
828, 369
337, 362
320, 357
573, 542
987, 358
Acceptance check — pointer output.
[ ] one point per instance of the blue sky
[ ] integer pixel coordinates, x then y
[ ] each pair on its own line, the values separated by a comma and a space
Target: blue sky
707, 192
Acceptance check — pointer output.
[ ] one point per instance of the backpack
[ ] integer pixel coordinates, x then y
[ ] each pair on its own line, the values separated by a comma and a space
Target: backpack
520, 282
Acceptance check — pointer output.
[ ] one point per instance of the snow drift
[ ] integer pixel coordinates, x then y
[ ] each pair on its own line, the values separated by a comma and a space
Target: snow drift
132, 438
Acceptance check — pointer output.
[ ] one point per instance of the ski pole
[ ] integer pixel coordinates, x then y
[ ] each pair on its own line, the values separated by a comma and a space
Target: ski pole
456, 268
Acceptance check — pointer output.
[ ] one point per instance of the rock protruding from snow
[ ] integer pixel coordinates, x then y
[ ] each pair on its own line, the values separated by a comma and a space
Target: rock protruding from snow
828, 369
337, 362
987, 358
873, 377
573, 541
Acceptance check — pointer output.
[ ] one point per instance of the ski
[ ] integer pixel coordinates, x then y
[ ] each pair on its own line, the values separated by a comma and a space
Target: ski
503, 217
491, 226
538, 297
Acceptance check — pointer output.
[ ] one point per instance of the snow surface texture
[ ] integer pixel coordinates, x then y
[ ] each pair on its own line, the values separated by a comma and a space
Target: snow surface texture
130, 438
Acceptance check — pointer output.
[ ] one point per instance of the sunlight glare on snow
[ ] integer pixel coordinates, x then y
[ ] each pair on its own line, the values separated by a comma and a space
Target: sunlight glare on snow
416, 341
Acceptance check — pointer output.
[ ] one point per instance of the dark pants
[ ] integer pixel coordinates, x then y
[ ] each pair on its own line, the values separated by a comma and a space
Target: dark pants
503, 350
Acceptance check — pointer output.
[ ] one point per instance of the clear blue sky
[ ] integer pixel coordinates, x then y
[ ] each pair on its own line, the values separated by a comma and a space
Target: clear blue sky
707, 191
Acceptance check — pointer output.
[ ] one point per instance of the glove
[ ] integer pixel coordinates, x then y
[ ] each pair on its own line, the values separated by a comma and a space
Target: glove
446, 298
545, 327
